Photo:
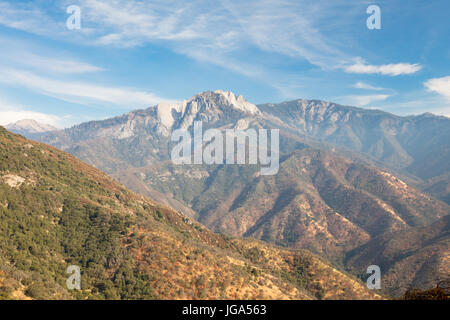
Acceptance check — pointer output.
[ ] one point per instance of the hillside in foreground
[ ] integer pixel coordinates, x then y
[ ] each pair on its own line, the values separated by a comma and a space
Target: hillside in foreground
57, 211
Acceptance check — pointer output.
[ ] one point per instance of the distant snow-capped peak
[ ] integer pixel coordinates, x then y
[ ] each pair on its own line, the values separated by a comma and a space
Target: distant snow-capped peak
29, 126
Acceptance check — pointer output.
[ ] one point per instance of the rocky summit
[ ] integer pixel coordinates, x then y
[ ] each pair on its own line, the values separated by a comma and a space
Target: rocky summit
347, 176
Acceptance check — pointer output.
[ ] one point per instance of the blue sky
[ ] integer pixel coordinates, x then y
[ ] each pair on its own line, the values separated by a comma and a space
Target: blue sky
132, 54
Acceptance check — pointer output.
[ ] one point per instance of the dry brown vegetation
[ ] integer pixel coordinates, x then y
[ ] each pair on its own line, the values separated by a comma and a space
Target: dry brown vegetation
129, 247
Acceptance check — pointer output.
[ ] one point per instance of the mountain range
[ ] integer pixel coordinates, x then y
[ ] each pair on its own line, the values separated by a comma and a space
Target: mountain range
402, 144
57, 211
349, 178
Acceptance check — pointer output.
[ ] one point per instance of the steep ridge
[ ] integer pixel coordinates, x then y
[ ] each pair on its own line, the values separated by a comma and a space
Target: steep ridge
416, 258
347, 175
57, 211
318, 200
418, 145
141, 137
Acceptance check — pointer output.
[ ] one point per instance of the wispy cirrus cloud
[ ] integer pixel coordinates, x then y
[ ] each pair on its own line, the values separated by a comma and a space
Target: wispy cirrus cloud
366, 86
34, 17
26, 17
78, 92
22, 54
211, 31
254, 38
218, 30
392, 69
51, 73
56, 65
48, 63
362, 100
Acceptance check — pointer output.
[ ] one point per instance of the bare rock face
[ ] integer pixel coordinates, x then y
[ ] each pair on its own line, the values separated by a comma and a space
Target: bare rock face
14, 181
206, 106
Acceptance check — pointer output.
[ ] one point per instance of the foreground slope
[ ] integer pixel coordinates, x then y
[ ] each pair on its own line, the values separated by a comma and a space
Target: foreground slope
57, 211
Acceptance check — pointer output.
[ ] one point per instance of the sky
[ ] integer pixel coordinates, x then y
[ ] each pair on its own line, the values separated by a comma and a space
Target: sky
133, 54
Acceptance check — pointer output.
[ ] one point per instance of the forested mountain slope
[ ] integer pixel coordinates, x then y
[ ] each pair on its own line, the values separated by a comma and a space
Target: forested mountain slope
57, 211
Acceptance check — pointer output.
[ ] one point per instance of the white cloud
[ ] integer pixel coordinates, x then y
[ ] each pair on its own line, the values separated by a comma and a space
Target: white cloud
439, 85
30, 17
366, 86
227, 33
209, 29
362, 100
7, 117
393, 69
77, 91
10, 113
55, 64
23, 54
